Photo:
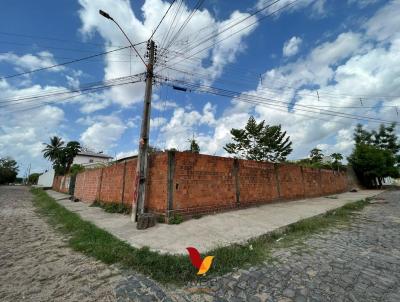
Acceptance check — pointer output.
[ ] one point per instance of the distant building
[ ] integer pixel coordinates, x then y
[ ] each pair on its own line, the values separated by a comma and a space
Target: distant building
46, 179
89, 158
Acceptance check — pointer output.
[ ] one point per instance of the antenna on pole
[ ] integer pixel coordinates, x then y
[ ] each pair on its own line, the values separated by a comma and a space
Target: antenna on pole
318, 95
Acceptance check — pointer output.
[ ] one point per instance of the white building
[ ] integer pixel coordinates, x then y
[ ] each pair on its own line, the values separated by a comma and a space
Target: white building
89, 158
46, 179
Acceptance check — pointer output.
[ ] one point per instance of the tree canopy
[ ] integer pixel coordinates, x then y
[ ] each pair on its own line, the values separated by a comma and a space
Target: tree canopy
316, 155
194, 146
259, 141
61, 155
8, 170
375, 155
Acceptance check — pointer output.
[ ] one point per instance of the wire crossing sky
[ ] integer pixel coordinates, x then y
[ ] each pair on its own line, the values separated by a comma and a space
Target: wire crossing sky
315, 67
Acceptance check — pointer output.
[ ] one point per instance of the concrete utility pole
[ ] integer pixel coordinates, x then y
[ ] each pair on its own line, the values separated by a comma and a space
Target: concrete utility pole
142, 162
138, 206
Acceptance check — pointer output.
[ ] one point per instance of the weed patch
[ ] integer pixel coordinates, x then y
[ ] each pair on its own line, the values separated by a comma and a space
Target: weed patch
112, 207
93, 241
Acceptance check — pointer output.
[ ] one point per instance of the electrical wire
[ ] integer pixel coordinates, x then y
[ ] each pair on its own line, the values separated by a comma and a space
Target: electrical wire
82, 92
64, 63
260, 100
155, 30
60, 92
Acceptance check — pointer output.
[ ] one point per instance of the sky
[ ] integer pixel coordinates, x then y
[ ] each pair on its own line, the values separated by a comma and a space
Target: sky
316, 67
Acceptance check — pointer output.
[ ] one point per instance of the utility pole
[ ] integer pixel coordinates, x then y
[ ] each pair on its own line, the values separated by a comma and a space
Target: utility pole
139, 196
29, 173
142, 161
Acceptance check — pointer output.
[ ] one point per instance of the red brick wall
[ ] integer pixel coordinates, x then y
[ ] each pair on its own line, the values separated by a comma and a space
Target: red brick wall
157, 184
61, 183
130, 176
111, 184
87, 185
258, 183
203, 183
312, 182
290, 181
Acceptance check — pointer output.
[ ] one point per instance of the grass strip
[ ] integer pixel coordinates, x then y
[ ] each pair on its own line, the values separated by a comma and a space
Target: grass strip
93, 241
115, 207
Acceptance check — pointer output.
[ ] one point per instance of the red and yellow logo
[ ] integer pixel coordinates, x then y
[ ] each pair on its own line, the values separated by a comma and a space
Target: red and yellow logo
203, 265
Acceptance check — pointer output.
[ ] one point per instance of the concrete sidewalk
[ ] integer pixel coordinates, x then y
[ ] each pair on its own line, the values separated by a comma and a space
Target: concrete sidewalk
211, 231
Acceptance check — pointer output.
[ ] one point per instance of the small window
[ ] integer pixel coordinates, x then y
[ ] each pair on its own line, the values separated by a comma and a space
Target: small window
90, 160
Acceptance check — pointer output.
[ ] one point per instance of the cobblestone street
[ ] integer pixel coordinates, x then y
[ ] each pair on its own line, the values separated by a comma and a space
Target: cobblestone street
35, 262
359, 262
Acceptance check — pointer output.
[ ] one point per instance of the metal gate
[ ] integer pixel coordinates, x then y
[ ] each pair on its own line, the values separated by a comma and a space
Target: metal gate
71, 189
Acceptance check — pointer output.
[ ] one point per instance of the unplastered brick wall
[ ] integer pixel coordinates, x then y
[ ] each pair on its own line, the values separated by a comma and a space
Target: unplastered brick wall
61, 183
200, 184
116, 183
191, 184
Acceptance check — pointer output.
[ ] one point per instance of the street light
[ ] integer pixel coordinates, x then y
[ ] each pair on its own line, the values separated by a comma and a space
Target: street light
143, 220
107, 16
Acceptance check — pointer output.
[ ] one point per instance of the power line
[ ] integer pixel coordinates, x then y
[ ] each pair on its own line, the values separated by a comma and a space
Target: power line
184, 24
219, 41
77, 93
64, 63
211, 37
281, 91
53, 39
59, 92
260, 100
165, 37
155, 30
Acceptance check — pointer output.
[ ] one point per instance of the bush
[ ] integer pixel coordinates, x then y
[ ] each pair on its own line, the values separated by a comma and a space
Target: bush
176, 219
112, 207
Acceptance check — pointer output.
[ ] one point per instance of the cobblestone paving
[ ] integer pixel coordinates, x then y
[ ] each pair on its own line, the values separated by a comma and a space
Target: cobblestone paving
360, 262
37, 265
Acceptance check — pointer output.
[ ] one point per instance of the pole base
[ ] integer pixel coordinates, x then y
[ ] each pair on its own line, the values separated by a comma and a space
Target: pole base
145, 221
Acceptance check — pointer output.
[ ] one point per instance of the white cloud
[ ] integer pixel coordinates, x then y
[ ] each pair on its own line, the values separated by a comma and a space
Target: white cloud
29, 61
348, 65
22, 134
157, 122
362, 3
286, 6
103, 133
201, 26
125, 154
291, 47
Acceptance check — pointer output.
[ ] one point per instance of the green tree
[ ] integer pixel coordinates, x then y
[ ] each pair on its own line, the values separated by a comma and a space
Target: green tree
70, 151
372, 164
194, 146
52, 150
316, 155
337, 157
153, 149
61, 156
337, 160
76, 168
261, 142
33, 178
386, 139
375, 155
8, 170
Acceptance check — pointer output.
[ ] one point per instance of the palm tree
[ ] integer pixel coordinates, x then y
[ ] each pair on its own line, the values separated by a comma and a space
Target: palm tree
52, 150
70, 151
